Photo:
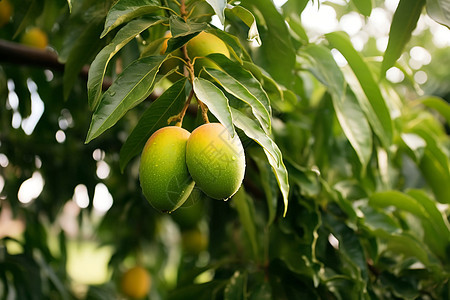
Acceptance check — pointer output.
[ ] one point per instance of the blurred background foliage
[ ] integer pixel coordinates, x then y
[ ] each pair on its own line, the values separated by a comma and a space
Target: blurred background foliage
368, 214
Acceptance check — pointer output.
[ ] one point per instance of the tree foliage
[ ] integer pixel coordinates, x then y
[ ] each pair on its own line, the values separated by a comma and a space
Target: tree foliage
347, 187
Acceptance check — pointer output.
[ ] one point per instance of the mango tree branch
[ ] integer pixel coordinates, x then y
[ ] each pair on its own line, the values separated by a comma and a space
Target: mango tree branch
18, 54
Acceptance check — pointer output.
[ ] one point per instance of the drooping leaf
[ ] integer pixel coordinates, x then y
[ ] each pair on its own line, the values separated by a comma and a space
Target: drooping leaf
268, 182
182, 31
273, 153
436, 176
439, 10
341, 42
219, 8
439, 104
244, 77
125, 10
216, 101
234, 45
246, 210
84, 48
403, 23
363, 6
235, 88
249, 19
275, 39
97, 69
168, 104
349, 113
131, 87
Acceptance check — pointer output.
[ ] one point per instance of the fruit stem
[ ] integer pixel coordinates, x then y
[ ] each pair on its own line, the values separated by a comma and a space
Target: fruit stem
204, 109
180, 116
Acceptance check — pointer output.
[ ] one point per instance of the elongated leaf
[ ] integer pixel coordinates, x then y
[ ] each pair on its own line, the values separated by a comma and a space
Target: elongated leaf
216, 101
439, 10
125, 10
246, 211
235, 88
435, 235
234, 45
363, 6
249, 19
168, 104
268, 182
349, 113
182, 31
273, 153
69, 2
341, 42
132, 86
98, 67
85, 47
440, 105
219, 8
276, 42
436, 176
244, 77
403, 23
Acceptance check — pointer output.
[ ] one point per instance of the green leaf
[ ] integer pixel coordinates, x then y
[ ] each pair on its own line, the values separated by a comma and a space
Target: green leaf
249, 19
125, 10
84, 48
382, 125
219, 8
268, 182
130, 88
439, 10
244, 77
273, 153
403, 23
276, 42
182, 31
236, 287
439, 104
168, 104
235, 88
233, 43
216, 101
363, 6
69, 2
436, 176
246, 210
350, 115
97, 69
26, 13
437, 233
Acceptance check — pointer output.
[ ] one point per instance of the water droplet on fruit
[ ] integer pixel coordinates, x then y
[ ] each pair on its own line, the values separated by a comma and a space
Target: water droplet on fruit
233, 157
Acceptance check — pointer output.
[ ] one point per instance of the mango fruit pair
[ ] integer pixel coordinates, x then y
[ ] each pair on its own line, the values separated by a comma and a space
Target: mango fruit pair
174, 161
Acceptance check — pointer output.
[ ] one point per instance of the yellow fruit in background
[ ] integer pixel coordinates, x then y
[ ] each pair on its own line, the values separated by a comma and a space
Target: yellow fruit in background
135, 282
215, 160
194, 241
163, 174
202, 45
6, 10
171, 63
35, 37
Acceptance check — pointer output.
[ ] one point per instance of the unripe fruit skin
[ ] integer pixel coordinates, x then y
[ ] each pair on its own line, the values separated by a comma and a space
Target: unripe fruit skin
215, 161
5, 12
163, 174
35, 37
202, 45
135, 282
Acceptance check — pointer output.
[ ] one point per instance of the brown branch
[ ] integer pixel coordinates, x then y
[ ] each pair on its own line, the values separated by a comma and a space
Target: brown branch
18, 54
